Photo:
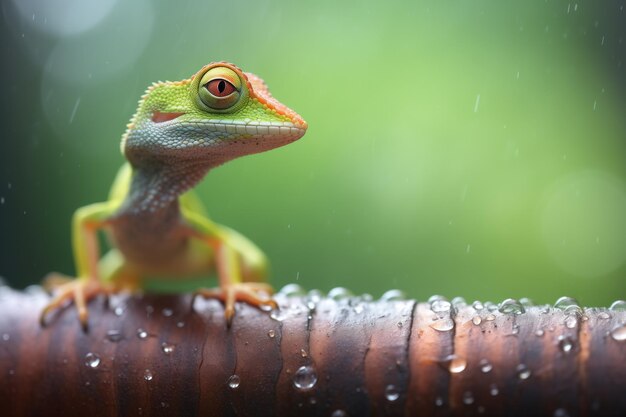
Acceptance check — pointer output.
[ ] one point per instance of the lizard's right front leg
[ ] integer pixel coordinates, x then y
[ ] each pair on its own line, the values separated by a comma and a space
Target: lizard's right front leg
86, 223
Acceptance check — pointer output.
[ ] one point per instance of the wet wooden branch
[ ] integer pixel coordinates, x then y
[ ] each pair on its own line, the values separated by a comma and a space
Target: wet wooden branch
158, 355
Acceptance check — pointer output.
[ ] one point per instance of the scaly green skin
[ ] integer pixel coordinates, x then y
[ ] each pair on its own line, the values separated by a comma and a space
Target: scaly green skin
158, 228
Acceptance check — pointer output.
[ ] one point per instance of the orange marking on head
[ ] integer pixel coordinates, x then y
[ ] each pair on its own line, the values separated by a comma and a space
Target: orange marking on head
258, 90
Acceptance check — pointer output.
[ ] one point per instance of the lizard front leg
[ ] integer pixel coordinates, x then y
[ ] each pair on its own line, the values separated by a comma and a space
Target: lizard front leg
86, 223
237, 262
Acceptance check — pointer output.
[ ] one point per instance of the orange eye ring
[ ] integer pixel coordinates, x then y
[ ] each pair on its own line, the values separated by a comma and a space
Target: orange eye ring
221, 89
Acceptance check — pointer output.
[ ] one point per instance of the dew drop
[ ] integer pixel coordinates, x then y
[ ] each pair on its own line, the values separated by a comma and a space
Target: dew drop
167, 312
515, 329
6, 337
539, 332
358, 309
619, 333
118, 311
565, 302
292, 290
485, 366
391, 393
167, 348
493, 390
476, 320
436, 297
303, 353
523, 372
490, 317
619, 305
180, 324
277, 315
234, 381
142, 334
560, 412
573, 310
478, 305
439, 401
92, 360
526, 302
457, 364
147, 375
339, 413
468, 398
114, 335
491, 306
271, 333
458, 302
339, 293
393, 295
511, 307
443, 325
566, 344
440, 306
305, 378
570, 322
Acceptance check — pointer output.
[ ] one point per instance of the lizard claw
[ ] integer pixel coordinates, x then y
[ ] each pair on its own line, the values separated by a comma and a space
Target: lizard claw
81, 291
253, 293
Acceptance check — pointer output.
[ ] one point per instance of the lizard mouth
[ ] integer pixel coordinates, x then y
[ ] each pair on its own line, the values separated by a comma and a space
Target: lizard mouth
158, 117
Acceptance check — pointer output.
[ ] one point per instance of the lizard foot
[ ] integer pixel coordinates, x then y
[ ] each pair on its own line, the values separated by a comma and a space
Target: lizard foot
79, 290
253, 293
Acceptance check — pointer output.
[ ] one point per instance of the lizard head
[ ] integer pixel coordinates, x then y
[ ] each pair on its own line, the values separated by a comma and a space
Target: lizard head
218, 114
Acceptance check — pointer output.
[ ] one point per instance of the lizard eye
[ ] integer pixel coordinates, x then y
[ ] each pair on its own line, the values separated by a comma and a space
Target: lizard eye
220, 88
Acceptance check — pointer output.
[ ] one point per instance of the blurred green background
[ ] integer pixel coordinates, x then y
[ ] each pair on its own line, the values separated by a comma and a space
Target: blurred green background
472, 148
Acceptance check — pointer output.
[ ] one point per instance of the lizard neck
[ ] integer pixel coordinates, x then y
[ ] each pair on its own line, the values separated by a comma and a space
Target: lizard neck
156, 187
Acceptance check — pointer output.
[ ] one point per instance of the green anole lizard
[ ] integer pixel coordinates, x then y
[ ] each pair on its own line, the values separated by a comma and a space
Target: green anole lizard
157, 225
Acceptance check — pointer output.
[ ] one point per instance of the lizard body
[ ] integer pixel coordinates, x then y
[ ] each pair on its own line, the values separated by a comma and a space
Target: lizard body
158, 226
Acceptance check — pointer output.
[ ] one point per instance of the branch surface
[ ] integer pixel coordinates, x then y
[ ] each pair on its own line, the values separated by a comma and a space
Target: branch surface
160, 355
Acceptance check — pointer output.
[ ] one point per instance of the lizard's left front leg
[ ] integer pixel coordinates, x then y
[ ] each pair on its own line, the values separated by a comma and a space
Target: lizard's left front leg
232, 253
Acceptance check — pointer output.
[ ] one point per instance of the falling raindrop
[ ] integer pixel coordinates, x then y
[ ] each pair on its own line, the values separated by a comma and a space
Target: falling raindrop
619, 333
339, 413
92, 360
234, 381
511, 307
393, 295
305, 378
566, 344
485, 366
114, 335
167, 348
271, 333
523, 372
619, 305
391, 393
167, 312
564, 302
147, 375
439, 401
141, 333
476, 320
119, 310
443, 325
6, 337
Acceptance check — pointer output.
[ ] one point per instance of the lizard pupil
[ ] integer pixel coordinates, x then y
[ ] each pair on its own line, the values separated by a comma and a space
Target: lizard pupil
221, 86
